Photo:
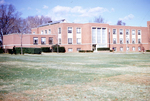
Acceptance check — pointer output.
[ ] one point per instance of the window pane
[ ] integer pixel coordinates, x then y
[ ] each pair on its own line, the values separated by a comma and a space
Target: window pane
59, 41
133, 32
59, 31
121, 31
114, 31
127, 31
43, 40
69, 29
49, 31
114, 40
69, 40
45, 31
50, 40
78, 30
93, 35
139, 32
78, 40
35, 41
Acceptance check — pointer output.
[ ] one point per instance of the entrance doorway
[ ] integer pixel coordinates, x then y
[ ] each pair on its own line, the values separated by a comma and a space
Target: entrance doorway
94, 47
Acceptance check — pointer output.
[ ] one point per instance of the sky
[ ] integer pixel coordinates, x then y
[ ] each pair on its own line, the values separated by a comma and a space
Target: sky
132, 12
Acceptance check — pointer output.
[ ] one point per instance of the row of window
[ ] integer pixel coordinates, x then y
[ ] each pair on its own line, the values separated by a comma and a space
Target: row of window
70, 30
127, 41
70, 49
127, 32
43, 40
127, 49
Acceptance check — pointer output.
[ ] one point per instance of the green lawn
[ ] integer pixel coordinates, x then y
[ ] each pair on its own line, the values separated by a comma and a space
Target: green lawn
75, 76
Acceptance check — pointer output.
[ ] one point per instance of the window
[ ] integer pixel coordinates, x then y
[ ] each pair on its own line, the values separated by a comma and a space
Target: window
114, 31
133, 41
49, 31
127, 41
139, 48
41, 32
33, 32
59, 30
133, 32
127, 31
69, 40
78, 30
139, 32
69, 29
50, 40
139, 41
121, 31
78, 49
93, 34
121, 41
127, 48
43, 41
69, 49
35, 41
45, 31
115, 49
133, 48
121, 48
78, 40
114, 40
59, 41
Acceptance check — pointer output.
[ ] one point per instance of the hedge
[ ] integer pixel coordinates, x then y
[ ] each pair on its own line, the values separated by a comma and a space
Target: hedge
147, 50
83, 51
103, 49
29, 50
1, 51
45, 49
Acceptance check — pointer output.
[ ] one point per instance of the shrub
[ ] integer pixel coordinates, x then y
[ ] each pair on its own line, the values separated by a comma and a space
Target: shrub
1, 51
10, 51
103, 49
83, 51
45, 49
147, 50
111, 50
60, 49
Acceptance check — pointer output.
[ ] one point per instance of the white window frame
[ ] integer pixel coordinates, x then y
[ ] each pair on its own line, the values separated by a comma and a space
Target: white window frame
43, 42
51, 40
35, 38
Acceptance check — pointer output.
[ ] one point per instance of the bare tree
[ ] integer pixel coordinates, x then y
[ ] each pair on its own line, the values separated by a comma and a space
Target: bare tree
8, 16
121, 23
35, 21
99, 19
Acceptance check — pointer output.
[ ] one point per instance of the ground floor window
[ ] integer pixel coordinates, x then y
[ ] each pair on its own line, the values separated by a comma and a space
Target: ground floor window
127, 48
121, 48
50, 40
69, 49
35, 41
43, 41
78, 49
139, 48
133, 48
114, 48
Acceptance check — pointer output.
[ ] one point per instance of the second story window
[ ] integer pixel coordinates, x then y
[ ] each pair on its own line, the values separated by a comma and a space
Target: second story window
69, 29
69, 40
121, 41
78, 30
139, 41
33, 32
43, 41
114, 31
50, 40
35, 41
133, 41
59, 30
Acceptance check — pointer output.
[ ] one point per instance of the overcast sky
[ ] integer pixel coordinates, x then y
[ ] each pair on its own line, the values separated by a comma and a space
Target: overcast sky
132, 12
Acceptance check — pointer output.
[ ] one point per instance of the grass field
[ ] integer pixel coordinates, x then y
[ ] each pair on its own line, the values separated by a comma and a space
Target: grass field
75, 76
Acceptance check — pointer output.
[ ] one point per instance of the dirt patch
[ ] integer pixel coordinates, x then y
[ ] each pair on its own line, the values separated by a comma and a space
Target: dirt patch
140, 79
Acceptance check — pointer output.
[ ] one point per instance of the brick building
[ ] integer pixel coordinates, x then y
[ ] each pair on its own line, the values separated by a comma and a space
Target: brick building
88, 36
